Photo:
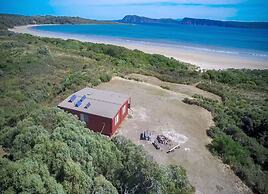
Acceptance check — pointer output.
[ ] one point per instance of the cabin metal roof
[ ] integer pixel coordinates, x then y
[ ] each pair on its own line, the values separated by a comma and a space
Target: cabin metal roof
102, 103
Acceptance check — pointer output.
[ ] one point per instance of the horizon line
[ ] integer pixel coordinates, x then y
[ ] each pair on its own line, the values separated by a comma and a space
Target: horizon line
59, 15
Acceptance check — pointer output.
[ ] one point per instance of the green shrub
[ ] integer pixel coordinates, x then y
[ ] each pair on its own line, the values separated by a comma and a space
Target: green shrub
165, 87
105, 77
52, 151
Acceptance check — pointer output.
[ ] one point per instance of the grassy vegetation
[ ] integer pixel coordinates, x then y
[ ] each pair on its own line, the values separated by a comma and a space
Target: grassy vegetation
57, 154
165, 87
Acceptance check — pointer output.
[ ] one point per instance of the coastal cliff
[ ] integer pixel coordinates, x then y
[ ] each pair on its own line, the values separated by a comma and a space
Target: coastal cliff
134, 19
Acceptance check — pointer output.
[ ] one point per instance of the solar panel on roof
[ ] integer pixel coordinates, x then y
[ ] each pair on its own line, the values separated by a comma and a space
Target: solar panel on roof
78, 103
72, 98
88, 104
83, 98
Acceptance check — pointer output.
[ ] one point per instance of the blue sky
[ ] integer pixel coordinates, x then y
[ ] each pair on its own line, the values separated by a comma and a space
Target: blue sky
243, 10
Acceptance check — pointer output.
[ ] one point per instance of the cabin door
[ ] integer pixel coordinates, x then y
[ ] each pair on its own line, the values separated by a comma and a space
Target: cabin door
84, 117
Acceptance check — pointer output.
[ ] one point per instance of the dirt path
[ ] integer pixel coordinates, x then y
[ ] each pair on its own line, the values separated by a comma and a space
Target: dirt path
189, 90
163, 111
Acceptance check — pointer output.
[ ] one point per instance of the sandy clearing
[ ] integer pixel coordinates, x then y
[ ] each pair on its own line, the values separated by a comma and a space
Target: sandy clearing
160, 110
202, 58
189, 90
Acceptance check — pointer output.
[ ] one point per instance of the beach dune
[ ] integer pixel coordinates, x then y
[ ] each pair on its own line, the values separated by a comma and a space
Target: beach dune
205, 59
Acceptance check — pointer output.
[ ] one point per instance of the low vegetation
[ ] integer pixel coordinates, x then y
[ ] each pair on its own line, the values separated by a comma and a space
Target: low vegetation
57, 154
165, 87
10, 20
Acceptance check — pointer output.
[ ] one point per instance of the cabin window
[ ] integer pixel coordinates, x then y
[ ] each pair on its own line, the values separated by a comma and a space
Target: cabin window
129, 103
116, 119
84, 117
124, 109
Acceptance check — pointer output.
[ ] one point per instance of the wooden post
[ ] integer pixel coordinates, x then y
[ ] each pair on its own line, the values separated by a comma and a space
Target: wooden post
170, 150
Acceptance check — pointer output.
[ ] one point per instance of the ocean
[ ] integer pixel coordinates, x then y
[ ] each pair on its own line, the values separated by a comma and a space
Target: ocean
242, 41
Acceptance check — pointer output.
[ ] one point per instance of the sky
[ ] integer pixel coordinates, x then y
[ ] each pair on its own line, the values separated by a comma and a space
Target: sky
239, 10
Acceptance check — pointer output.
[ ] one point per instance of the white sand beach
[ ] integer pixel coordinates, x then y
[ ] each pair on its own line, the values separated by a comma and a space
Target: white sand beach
205, 59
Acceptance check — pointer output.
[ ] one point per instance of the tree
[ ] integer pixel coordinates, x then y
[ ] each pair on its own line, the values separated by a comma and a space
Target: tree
52, 152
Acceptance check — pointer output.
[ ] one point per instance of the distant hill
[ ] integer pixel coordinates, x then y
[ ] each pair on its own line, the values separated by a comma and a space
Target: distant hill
234, 24
134, 19
11, 20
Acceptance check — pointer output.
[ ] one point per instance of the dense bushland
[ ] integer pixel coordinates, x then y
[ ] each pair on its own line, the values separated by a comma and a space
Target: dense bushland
52, 152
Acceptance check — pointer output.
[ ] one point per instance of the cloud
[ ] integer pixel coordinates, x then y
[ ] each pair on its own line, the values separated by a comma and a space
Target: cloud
144, 2
115, 9
248, 10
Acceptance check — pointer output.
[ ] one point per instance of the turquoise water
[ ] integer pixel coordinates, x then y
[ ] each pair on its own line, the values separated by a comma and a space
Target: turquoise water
219, 39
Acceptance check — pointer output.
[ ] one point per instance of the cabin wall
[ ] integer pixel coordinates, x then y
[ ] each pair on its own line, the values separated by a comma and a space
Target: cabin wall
100, 124
95, 122
121, 116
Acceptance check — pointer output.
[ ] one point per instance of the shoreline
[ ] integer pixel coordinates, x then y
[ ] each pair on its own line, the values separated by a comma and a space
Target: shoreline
202, 58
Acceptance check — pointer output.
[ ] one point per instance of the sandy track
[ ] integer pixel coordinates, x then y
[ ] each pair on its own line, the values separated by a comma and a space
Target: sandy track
189, 90
162, 110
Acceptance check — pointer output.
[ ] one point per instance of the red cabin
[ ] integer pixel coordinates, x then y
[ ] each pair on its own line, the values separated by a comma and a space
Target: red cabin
102, 111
